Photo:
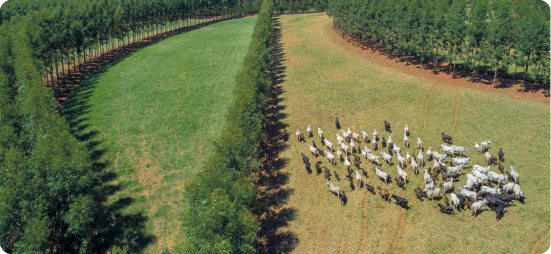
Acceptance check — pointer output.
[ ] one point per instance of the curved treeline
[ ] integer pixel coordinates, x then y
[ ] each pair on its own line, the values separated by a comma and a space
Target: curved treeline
50, 193
496, 34
220, 197
66, 33
47, 198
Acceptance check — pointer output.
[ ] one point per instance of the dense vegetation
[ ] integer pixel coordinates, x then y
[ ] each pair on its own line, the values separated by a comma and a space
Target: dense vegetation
300, 5
220, 197
49, 200
325, 77
497, 33
66, 33
150, 117
46, 189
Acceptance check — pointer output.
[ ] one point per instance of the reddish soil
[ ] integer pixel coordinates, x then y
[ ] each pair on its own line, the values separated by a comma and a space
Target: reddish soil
76, 75
540, 241
481, 81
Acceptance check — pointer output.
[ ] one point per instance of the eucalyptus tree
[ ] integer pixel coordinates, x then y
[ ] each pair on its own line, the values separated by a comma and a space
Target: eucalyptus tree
437, 32
499, 34
409, 25
422, 34
455, 29
477, 30
533, 26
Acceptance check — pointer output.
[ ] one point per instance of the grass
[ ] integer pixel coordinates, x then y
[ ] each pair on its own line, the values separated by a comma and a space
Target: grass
149, 119
324, 77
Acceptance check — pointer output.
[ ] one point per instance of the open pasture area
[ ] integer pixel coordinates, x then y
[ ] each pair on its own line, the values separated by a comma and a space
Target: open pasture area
323, 77
149, 119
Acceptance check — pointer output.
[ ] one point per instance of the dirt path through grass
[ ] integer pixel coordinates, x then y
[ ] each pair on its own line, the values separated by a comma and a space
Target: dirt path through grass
325, 77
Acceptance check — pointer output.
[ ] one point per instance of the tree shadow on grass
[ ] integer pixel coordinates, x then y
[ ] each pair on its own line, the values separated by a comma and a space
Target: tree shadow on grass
113, 227
274, 217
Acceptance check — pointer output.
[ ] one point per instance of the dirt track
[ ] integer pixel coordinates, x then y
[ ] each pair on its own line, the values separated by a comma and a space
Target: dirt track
324, 77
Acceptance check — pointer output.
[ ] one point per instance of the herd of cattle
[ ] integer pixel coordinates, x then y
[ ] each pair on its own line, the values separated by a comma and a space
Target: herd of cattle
477, 193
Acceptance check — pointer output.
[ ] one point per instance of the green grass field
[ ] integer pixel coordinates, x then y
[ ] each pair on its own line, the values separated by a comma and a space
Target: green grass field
149, 118
325, 77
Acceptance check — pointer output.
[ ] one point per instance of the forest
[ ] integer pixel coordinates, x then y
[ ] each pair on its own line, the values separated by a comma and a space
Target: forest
495, 34
50, 192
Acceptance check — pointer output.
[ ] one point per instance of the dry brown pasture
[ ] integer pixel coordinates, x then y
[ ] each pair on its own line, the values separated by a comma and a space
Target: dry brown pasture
323, 76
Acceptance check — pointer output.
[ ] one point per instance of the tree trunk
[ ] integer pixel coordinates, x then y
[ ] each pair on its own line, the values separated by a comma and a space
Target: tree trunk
62, 68
537, 73
56, 70
74, 59
495, 75
371, 43
422, 55
453, 73
52, 76
472, 73
68, 63
436, 61
526, 71
473, 65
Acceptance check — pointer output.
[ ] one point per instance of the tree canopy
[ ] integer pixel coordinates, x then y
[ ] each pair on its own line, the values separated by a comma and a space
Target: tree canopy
495, 32
48, 195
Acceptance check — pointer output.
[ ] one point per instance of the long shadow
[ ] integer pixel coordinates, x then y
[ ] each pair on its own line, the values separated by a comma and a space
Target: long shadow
271, 239
112, 226
73, 91
78, 74
483, 74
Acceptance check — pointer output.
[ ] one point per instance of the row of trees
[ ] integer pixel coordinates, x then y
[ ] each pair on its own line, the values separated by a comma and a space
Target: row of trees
220, 197
67, 33
47, 200
498, 34
49, 190
300, 5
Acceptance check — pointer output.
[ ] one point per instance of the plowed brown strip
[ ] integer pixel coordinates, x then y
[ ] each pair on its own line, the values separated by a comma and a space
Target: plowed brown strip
426, 104
538, 243
365, 212
456, 108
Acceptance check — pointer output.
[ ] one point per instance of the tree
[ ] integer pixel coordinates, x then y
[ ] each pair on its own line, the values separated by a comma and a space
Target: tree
455, 29
437, 29
425, 26
532, 40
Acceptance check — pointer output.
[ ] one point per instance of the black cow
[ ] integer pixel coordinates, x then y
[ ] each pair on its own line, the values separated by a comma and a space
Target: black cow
304, 158
446, 138
500, 211
370, 188
387, 126
327, 173
500, 154
401, 201
445, 209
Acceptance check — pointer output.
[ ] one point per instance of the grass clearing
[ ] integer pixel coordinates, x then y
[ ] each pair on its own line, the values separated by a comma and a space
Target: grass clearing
325, 77
149, 118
